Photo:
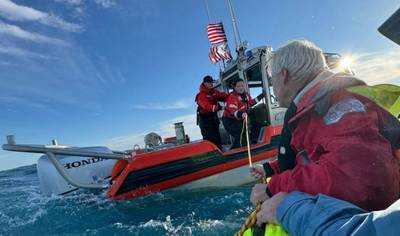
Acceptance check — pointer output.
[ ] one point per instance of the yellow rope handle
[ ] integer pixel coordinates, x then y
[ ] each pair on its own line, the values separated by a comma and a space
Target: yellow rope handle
248, 141
252, 219
246, 127
241, 133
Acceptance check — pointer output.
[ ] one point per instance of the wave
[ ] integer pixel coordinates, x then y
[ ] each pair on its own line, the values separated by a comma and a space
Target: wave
25, 211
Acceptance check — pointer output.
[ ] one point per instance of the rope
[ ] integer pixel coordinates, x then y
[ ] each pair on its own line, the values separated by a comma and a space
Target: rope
246, 127
241, 133
248, 141
252, 219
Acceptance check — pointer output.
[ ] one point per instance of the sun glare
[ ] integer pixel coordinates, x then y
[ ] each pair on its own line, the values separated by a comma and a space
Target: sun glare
346, 62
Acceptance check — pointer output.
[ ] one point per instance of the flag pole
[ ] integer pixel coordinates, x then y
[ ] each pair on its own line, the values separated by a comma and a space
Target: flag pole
208, 11
217, 32
238, 41
209, 20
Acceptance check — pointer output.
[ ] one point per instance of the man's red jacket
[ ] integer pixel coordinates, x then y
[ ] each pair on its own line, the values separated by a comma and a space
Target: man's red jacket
207, 100
341, 153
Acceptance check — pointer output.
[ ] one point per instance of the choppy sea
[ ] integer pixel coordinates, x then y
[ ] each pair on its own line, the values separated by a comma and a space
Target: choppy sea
25, 211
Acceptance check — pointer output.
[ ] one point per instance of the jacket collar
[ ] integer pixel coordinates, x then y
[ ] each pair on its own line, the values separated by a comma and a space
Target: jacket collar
321, 76
238, 95
203, 89
314, 95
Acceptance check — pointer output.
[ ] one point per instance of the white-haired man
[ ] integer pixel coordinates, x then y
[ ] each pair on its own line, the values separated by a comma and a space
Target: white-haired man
333, 141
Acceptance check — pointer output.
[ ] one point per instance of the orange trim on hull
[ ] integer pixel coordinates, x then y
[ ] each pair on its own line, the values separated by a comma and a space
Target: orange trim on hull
158, 158
192, 177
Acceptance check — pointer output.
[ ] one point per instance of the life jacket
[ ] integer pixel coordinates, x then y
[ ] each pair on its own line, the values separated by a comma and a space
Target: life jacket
267, 230
386, 96
237, 103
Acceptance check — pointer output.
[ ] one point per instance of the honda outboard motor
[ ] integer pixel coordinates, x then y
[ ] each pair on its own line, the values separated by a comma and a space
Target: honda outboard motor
87, 170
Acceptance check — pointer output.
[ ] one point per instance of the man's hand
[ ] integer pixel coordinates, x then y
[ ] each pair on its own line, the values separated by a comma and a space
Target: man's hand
267, 213
258, 194
216, 108
257, 171
244, 115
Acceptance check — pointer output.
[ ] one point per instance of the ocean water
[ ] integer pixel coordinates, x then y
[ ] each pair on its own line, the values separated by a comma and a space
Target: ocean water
24, 211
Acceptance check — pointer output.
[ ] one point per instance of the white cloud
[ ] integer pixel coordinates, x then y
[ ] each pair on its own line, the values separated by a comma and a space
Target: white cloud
71, 2
5, 63
72, 78
102, 3
80, 3
17, 32
15, 12
180, 104
378, 67
164, 129
21, 53
78, 8
105, 3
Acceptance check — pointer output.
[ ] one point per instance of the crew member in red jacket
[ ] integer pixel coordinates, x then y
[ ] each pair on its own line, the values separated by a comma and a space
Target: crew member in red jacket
207, 101
237, 107
333, 141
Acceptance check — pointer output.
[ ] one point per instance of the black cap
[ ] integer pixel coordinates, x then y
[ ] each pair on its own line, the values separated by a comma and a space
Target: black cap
208, 79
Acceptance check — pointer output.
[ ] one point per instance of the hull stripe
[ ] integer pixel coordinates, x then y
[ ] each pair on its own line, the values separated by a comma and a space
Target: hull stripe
167, 171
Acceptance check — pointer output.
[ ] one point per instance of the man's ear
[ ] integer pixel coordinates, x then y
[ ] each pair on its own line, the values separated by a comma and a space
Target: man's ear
285, 76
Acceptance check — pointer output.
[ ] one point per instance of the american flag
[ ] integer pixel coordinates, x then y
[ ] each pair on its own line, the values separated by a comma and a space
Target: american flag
216, 33
220, 52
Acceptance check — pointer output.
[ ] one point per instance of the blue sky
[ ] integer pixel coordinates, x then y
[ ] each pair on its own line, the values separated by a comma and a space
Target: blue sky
106, 72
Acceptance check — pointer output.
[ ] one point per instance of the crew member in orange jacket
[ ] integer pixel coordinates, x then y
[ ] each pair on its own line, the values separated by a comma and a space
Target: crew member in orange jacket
333, 141
207, 101
237, 107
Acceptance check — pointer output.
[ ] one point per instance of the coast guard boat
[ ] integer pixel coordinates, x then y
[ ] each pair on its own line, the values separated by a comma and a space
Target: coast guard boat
176, 163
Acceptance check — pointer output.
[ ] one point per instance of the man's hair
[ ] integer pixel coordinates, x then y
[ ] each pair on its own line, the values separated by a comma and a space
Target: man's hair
301, 58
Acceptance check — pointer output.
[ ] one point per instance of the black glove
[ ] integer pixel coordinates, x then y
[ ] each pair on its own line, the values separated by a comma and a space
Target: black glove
260, 96
268, 170
244, 97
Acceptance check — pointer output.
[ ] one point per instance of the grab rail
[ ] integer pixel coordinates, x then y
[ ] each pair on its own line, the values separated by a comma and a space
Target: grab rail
52, 150
61, 150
